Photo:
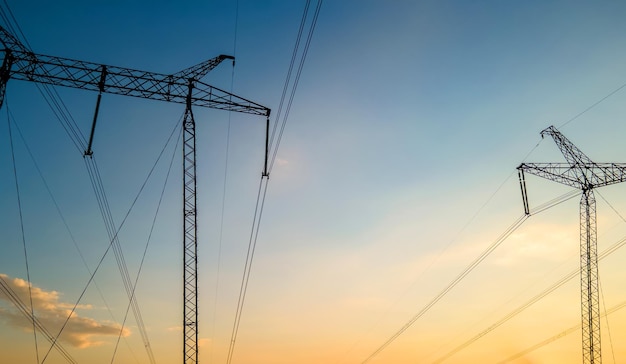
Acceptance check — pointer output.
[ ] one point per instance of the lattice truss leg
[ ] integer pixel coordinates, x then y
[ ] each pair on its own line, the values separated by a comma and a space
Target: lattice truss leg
590, 307
190, 245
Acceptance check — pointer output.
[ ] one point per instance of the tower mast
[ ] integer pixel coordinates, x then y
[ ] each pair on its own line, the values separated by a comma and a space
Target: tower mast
582, 173
183, 87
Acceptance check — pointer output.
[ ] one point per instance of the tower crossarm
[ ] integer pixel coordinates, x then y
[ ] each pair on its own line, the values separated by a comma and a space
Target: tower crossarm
585, 176
572, 154
201, 69
129, 82
10, 42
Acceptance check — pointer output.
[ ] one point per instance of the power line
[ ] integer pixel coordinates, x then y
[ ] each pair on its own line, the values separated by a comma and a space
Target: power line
156, 213
264, 181
24, 310
21, 218
559, 335
296, 79
62, 114
443, 251
514, 226
224, 185
593, 105
61, 215
529, 303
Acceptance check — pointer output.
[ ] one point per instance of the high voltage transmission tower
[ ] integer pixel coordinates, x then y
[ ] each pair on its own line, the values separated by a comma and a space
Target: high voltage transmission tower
183, 87
582, 173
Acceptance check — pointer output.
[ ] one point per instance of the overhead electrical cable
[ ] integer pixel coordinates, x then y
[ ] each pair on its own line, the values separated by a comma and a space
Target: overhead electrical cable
112, 245
593, 105
110, 225
62, 114
608, 327
224, 189
61, 215
295, 83
263, 184
558, 336
445, 249
156, 214
246, 274
571, 275
99, 192
538, 297
287, 83
512, 228
25, 311
23, 234
48, 92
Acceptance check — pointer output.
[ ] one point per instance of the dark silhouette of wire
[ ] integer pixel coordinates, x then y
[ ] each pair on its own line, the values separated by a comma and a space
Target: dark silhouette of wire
14, 21
103, 203
559, 335
258, 211
264, 181
608, 327
49, 93
594, 105
445, 249
115, 245
24, 310
156, 214
64, 117
224, 190
574, 273
21, 218
296, 82
290, 70
61, 215
514, 226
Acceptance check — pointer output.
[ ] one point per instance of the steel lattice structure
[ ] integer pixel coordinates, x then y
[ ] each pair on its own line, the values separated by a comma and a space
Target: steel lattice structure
582, 173
183, 87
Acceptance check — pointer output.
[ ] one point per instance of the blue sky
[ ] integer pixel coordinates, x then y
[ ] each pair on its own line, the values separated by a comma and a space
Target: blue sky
396, 170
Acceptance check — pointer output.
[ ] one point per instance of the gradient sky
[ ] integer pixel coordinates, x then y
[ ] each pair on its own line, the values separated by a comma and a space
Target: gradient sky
396, 170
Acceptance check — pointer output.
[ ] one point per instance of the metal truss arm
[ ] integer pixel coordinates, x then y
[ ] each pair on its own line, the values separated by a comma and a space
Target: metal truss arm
572, 154
583, 177
129, 82
201, 69
10, 42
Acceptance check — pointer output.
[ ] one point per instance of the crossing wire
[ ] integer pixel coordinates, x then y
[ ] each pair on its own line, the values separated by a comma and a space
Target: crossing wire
63, 115
574, 273
110, 246
443, 251
23, 309
178, 127
224, 190
21, 218
61, 215
559, 335
264, 181
296, 79
510, 230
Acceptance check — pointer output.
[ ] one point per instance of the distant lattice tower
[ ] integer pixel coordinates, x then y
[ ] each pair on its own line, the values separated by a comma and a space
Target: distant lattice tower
582, 173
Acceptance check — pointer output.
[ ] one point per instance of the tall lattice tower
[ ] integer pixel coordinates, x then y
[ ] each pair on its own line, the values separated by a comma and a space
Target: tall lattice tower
582, 173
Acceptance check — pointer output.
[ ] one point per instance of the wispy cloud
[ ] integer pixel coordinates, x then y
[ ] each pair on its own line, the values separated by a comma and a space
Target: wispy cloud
79, 332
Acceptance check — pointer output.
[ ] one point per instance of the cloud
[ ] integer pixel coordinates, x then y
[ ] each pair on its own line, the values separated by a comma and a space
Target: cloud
540, 241
51, 312
204, 342
281, 162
